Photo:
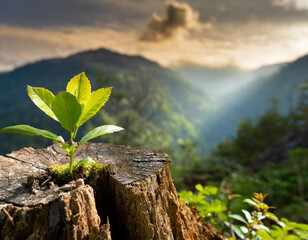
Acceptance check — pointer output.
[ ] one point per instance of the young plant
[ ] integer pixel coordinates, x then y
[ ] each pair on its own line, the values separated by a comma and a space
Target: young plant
207, 201
71, 108
250, 227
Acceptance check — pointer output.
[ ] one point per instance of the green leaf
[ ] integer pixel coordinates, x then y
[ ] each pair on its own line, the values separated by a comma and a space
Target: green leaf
244, 229
247, 215
235, 196
85, 160
238, 217
238, 232
292, 237
31, 131
250, 202
281, 224
102, 130
271, 216
97, 100
210, 190
263, 233
215, 206
199, 187
67, 109
261, 226
80, 87
66, 147
185, 195
42, 98
235, 229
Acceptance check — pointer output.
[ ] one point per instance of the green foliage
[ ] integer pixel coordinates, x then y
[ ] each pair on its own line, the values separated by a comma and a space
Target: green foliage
300, 114
31, 131
251, 140
210, 205
80, 87
255, 223
42, 98
95, 102
258, 224
154, 105
287, 184
71, 109
67, 110
299, 230
188, 169
99, 131
147, 105
232, 165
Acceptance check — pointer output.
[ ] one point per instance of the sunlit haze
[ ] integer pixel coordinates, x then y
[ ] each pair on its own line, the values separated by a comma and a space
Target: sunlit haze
244, 34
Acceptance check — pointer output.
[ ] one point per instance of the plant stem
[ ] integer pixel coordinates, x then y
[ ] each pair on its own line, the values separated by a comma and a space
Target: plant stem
71, 153
72, 138
229, 213
74, 135
71, 162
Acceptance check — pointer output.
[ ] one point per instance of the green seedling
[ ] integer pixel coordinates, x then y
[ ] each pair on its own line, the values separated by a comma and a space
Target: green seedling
252, 226
71, 108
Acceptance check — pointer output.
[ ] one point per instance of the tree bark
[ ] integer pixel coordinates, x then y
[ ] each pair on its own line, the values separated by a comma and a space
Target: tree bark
133, 199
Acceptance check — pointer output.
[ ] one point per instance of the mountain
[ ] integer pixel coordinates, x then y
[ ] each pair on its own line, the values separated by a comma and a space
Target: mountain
227, 89
252, 100
221, 82
282, 86
154, 105
158, 107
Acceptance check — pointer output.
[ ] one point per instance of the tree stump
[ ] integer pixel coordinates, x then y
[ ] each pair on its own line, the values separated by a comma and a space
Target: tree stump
133, 199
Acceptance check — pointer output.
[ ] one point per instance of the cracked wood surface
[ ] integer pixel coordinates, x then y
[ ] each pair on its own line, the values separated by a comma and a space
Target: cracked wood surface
127, 163
136, 194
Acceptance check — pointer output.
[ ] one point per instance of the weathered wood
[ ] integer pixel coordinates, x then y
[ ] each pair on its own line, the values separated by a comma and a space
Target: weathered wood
136, 194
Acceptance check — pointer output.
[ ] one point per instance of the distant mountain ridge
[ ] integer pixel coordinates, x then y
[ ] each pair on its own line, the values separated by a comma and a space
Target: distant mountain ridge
169, 104
219, 82
254, 99
150, 101
283, 86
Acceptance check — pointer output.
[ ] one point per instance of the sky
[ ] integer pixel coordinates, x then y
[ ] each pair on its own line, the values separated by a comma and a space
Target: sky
244, 34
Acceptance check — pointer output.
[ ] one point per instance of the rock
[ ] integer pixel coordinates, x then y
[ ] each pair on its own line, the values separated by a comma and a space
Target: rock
279, 151
133, 199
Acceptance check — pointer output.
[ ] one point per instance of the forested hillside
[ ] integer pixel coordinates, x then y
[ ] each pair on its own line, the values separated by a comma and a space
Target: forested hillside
153, 104
259, 142
255, 98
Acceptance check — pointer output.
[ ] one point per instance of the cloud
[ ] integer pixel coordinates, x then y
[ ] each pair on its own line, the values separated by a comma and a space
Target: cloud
57, 13
23, 45
254, 34
296, 4
180, 17
241, 47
